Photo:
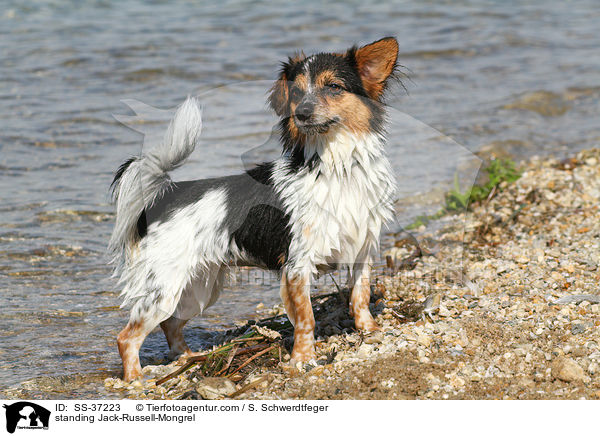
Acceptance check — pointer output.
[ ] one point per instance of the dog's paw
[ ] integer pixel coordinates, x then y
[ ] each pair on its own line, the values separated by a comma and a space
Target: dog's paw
131, 374
304, 355
368, 325
183, 357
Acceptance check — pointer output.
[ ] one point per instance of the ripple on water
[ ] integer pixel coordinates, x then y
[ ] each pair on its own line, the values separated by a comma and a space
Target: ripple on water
63, 216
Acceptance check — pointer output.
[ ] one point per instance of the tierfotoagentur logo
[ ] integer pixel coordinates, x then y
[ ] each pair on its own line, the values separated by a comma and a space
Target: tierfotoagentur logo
24, 415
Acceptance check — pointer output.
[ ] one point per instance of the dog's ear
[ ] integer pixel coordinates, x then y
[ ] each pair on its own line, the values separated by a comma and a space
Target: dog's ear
278, 99
376, 62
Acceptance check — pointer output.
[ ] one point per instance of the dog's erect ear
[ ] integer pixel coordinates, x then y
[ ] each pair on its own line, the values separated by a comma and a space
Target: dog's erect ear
278, 99
375, 63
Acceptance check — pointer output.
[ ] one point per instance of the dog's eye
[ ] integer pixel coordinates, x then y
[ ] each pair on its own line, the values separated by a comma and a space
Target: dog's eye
334, 87
296, 93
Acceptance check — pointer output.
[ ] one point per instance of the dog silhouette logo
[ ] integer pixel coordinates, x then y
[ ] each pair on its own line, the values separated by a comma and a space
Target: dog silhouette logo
26, 415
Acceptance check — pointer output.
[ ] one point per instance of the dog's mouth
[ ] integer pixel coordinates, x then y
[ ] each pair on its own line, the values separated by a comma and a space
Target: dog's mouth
308, 127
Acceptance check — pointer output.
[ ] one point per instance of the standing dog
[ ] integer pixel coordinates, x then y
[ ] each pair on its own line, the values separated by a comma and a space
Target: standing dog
321, 205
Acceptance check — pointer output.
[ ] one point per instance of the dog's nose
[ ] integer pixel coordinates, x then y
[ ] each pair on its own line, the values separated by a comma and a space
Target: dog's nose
304, 111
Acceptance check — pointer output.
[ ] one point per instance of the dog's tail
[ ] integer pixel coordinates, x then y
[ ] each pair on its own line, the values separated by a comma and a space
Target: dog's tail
139, 180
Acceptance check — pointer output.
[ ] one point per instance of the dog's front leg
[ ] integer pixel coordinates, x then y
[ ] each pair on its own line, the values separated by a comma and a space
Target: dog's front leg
295, 293
361, 294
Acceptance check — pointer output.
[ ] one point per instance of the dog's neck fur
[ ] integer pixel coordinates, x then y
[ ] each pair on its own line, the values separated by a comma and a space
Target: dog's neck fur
336, 153
338, 203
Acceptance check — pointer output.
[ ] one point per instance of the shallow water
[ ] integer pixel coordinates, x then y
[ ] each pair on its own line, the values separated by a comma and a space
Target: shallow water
502, 76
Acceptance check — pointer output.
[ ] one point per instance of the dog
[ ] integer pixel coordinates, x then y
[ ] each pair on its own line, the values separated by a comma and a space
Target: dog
320, 205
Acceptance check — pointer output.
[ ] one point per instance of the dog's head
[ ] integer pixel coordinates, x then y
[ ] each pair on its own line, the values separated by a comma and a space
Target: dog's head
328, 91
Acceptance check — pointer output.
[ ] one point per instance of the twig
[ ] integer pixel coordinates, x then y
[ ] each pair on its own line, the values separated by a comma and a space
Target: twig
252, 338
184, 368
266, 350
249, 386
398, 315
195, 359
490, 196
229, 360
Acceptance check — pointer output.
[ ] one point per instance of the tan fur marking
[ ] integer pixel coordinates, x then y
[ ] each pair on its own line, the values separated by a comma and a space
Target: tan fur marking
375, 63
129, 341
297, 301
281, 259
350, 109
301, 81
287, 300
294, 132
326, 78
279, 95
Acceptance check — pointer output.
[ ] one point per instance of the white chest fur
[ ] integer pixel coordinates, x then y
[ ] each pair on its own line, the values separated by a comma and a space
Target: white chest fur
337, 209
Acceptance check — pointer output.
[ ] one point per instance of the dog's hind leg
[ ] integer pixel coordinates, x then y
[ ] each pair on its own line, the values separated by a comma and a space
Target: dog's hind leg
129, 342
173, 330
202, 292
146, 314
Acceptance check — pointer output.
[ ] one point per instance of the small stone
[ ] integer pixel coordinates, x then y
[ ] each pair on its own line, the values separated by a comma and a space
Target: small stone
156, 371
457, 382
476, 377
211, 388
424, 340
556, 276
577, 328
411, 337
567, 370
444, 312
364, 351
120, 384
526, 383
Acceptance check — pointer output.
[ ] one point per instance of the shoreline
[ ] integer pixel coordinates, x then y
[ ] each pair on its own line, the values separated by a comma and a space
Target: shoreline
502, 302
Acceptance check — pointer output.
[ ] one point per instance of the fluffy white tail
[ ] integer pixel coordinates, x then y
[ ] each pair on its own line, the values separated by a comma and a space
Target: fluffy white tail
141, 179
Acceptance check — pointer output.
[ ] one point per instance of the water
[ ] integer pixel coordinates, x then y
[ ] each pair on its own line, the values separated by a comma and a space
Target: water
524, 78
